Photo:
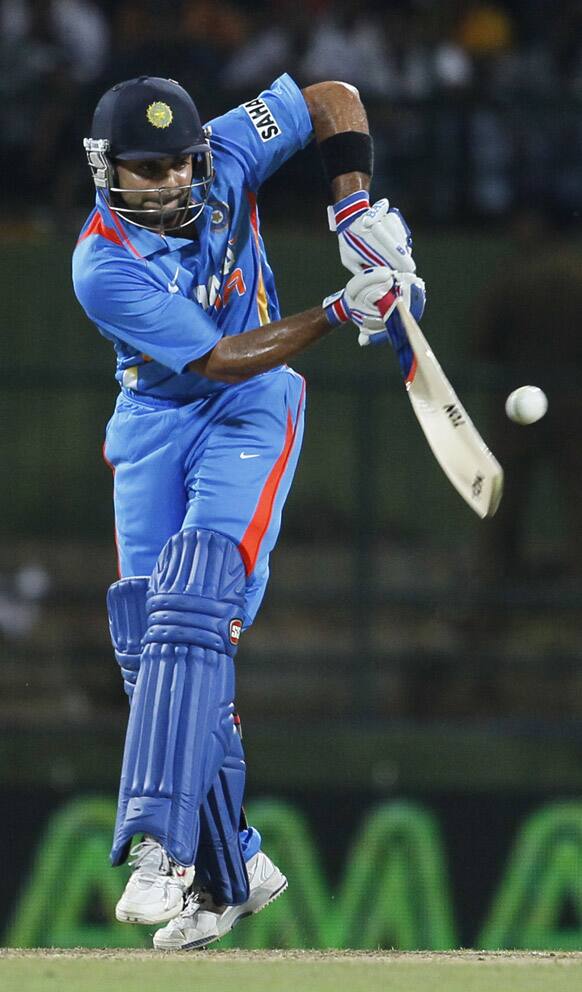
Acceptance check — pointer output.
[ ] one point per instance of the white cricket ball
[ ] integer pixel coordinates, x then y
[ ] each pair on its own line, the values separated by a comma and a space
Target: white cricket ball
526, 404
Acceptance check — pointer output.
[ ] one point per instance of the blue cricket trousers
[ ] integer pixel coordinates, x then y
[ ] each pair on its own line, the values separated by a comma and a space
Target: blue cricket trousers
224, 463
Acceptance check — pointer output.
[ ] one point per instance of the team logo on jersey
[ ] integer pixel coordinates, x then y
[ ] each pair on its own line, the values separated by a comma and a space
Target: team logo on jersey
220, 215
234, 631
159, 114
262, 118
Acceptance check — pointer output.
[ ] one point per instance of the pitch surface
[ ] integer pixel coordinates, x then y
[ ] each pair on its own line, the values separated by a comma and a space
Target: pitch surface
288, 971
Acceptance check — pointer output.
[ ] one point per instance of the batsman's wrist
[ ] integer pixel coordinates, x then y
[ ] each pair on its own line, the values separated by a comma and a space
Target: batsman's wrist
348, 209
335, 309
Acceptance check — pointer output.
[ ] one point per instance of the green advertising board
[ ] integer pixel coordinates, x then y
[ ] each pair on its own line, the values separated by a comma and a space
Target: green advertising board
394, 890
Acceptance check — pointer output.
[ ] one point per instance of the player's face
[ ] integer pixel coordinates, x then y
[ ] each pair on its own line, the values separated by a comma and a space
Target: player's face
153, 187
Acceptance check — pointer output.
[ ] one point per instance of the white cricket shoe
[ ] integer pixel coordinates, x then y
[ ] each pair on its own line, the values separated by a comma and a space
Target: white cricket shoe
157, 886
201, 922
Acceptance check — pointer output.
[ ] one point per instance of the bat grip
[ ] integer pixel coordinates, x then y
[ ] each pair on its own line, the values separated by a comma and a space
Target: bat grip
386, 303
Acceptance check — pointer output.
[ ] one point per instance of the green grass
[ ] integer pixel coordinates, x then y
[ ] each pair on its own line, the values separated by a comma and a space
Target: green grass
138, 971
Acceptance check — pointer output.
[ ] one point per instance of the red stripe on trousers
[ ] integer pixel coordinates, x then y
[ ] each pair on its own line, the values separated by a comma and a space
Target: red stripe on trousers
253, 536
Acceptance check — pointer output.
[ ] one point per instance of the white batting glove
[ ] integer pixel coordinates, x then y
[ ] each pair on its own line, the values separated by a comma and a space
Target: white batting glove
369, 300
371, 235
359, 301
411, 290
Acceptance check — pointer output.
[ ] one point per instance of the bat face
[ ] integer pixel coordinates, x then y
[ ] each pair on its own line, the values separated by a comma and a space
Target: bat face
454, 440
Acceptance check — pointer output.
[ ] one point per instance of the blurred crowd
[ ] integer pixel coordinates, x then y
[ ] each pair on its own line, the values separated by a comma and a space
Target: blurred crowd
57, 56
475, 110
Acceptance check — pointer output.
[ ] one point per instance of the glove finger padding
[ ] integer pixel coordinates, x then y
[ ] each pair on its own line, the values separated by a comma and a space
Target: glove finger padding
411, 289
369, 300
363, 291
387, 225
379, 237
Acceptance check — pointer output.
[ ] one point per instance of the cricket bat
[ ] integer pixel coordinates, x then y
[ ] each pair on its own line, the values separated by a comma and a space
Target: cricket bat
455, 441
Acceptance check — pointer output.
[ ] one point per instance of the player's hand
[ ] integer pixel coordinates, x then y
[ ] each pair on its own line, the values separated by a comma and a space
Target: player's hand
411, 290
369, 300
371, 235
358, 301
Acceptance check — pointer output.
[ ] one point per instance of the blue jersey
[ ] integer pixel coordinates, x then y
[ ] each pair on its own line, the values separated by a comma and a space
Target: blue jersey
166, 301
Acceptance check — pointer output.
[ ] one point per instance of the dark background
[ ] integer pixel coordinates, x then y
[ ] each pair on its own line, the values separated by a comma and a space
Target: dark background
405, 648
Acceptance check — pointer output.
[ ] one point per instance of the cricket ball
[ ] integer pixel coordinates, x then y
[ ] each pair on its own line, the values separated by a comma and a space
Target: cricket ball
526, 404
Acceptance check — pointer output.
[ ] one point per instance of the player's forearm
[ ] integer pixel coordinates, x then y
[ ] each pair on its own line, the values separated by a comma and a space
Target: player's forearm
241, 356
334, 108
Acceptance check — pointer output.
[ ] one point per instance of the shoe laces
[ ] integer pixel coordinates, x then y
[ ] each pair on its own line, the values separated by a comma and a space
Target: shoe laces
149, 858
198, 899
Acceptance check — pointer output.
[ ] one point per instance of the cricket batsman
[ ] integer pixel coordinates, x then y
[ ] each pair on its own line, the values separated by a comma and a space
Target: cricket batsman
204, 442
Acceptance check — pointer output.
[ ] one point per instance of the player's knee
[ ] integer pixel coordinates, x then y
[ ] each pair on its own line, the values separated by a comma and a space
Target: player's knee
196, 592
126, 608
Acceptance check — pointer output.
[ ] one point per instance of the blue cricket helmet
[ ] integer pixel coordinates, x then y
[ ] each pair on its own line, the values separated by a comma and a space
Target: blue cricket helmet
149, 118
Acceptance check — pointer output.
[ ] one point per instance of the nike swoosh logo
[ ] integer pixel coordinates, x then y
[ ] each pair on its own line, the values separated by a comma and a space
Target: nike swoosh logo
173, 285
244, 454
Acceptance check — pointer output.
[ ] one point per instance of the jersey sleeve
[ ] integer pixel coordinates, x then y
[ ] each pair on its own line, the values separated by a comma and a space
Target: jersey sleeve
126, 302
264, 132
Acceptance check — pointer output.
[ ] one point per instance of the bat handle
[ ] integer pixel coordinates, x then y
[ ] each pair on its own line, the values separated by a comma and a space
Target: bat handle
386, 303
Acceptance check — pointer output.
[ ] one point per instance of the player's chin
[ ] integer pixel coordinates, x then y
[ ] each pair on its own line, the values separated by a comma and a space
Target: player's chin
172, 218
159, 220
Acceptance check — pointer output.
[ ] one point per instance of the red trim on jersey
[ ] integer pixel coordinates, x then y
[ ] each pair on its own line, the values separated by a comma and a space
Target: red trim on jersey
116, 234
97, 226
252, 539
262, 299
252, 200
123, 235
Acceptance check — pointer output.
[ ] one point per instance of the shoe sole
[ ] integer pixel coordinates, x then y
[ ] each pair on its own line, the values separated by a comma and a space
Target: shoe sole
194, 945
127, 917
